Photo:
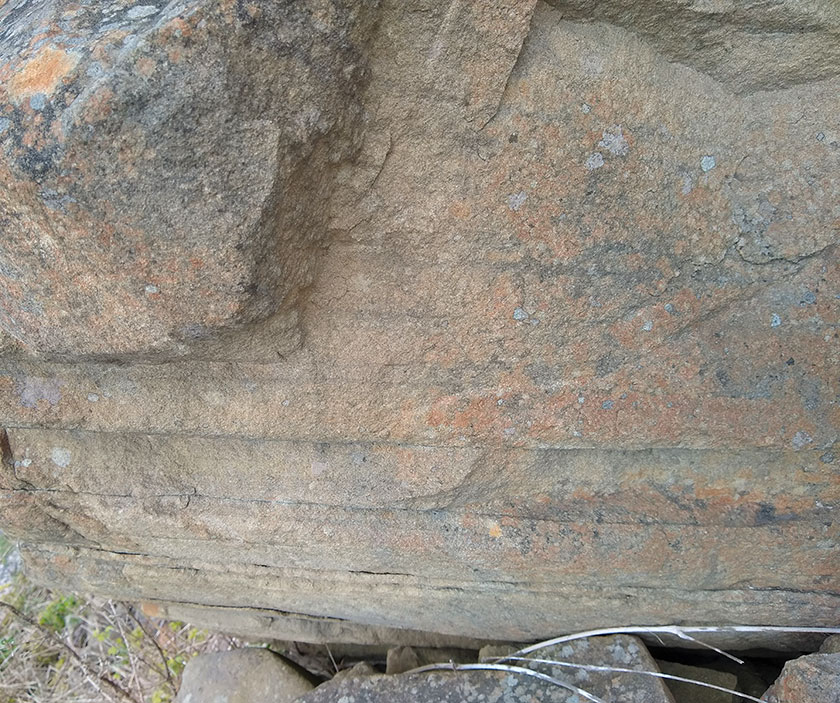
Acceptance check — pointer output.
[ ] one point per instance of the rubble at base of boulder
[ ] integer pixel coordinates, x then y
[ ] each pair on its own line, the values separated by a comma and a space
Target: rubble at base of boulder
814, 678
620, 651
248, 675
597, 666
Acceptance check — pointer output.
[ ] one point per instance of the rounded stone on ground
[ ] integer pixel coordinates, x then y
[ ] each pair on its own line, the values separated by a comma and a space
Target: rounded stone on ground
248, 675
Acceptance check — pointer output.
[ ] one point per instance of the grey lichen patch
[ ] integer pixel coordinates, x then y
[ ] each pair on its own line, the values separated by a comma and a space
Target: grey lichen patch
801, 440
595, 160
32, 389
517, 200
38, 102
707, 163
614, 141
140, 11
60, 457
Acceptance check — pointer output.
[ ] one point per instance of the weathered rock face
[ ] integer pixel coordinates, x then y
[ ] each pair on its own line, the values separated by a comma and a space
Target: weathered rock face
241, 676
810, 679
166, 166
747, 45
569, 360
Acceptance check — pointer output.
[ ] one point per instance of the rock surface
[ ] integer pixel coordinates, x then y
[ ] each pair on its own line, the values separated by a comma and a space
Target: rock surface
814, 678
569, 359
730, 39
166, 166
831, 645
241, 676
489, 686
685, 692
403, 658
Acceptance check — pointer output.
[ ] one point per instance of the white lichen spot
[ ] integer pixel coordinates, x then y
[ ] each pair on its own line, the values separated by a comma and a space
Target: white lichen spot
519, 315
595, 160
92, 397
592, 64
775, 320
140, 11
517, 200
60, 457
586, 108
613, 141
151, 289
648, 326
707, 163
318, 467
801, 440
688, 184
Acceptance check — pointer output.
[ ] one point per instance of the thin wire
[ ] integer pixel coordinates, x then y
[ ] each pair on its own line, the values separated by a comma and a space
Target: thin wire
643, 672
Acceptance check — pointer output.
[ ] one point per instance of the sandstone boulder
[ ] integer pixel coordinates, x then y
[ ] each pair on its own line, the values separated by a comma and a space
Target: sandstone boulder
248, 675
568, 360
814, 678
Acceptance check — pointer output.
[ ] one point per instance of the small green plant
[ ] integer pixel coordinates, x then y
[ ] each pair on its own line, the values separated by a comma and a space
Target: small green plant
160, 695
176, 664
7, 649
57, 647
58, 611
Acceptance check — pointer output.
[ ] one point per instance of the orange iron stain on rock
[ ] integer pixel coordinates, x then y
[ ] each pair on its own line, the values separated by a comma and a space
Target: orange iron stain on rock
42, 73
151, 610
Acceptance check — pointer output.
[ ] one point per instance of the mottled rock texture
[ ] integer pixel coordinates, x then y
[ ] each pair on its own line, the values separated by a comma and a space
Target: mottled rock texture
166, 166
811, 679
569, 355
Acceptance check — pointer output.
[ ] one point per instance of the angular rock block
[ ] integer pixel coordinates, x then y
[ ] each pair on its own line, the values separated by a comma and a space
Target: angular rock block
165, 167
248, 675
810, 679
